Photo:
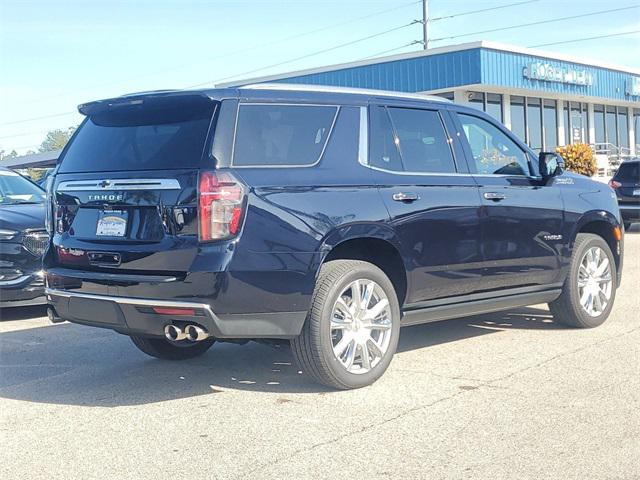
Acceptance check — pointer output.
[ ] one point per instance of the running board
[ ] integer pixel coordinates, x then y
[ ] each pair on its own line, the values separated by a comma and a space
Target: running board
446, 312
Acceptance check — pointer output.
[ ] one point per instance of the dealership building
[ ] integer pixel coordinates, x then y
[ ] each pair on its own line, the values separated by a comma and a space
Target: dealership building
546, 99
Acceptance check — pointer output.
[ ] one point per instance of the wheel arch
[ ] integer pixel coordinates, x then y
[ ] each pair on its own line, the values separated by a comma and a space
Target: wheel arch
371, 243
603, 224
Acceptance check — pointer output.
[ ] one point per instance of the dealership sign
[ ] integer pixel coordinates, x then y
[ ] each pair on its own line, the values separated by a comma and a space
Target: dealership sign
553, 73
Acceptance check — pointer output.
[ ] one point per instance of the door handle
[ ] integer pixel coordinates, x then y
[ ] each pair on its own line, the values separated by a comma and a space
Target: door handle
405, 197
495, 196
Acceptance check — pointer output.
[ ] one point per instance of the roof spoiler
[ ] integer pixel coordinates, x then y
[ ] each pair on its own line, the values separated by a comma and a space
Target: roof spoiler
157, 99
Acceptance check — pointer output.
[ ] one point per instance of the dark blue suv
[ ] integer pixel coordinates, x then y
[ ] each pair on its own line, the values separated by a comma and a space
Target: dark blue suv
326, 217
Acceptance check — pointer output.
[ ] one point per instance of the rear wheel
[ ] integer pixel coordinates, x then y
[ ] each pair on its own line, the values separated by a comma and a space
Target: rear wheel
168, 350
352, 329
590, 289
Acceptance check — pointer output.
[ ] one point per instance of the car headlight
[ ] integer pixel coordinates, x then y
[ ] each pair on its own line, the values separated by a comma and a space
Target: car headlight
7, 234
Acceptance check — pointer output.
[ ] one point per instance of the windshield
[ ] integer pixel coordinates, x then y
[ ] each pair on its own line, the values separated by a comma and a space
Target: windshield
15, 189
147, 137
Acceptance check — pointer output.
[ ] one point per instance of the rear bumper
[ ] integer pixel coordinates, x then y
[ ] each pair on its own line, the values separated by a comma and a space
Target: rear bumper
630, 212
25, 290
134, 316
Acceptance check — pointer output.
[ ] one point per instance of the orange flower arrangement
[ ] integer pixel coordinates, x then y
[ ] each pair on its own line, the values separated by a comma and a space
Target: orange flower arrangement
579, 158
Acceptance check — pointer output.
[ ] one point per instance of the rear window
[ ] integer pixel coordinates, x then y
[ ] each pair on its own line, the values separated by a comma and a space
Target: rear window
629, 172
165, 135
274, 135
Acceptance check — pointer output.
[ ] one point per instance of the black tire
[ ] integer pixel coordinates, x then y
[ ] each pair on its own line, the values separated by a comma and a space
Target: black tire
166, 350
566, 309
627, 225
313, 348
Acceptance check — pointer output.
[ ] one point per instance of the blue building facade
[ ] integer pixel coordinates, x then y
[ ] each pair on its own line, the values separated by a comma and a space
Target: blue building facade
547, 100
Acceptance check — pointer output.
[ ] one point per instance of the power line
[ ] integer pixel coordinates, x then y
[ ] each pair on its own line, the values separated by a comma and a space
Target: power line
572, 17
415, 42
585, 39
319, 52
237, 52
261, 45
471, 12
24, 120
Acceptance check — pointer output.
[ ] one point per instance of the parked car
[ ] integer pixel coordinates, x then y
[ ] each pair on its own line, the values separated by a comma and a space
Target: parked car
327, 217
626, 183
23, 240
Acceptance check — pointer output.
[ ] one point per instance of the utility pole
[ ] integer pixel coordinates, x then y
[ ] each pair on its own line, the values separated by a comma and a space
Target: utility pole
425, 24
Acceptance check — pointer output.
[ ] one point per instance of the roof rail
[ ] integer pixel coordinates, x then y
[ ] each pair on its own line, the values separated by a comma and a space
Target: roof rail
351, 90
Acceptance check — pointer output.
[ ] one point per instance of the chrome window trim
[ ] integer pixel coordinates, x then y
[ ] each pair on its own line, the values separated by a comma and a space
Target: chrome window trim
119, 184
288, 104
130, 300
363, 138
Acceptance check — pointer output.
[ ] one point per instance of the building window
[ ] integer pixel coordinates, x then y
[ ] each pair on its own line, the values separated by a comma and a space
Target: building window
518, 123
490, 103
576, 122
623, 128
636, 123
550, 122
534, 123
494, 105
447, 95
611, 126
598, 116
476, 100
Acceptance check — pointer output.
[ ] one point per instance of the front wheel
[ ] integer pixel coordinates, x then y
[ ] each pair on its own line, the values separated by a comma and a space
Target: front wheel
352, 328
168, 350
590, 289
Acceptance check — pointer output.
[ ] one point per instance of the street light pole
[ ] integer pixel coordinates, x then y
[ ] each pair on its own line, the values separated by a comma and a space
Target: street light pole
425, 24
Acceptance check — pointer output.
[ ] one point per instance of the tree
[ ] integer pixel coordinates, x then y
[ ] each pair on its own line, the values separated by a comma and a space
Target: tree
12, 154
56, 139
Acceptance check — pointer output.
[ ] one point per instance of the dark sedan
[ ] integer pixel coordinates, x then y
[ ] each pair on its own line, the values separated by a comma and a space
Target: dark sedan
23, 240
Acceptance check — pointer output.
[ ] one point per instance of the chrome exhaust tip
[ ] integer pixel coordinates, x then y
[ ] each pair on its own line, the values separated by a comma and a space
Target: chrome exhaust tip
173, 333
195, 333
53, 315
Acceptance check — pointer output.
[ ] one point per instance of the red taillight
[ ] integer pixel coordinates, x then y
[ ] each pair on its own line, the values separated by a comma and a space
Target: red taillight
220, 205
174, 311
613, 184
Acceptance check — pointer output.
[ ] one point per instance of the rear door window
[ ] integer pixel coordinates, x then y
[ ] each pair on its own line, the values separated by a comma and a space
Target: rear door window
166, 136
278, 135
424, 145
409, 140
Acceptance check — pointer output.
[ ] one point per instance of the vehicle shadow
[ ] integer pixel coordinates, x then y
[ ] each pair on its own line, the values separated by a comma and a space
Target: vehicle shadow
76, 365
22, 313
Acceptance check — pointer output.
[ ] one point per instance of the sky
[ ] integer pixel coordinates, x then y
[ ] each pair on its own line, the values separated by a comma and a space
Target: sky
55, 55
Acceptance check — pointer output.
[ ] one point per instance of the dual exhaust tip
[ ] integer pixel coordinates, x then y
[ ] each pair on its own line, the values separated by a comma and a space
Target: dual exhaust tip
192, 333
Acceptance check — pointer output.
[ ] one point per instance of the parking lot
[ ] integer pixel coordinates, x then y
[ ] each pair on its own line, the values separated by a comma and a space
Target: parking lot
506, 395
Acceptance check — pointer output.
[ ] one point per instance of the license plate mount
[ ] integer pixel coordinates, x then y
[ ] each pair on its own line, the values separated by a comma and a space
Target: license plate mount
112, 223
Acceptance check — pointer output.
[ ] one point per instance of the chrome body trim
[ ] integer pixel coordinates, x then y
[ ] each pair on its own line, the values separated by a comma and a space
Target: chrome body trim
15, 281
119, 184
147, 302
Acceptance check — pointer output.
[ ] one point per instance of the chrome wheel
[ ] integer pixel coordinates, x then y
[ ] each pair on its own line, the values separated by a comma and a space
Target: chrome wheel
594, 281
361, 326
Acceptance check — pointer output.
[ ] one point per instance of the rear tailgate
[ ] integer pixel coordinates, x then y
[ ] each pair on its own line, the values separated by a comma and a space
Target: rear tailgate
125, 195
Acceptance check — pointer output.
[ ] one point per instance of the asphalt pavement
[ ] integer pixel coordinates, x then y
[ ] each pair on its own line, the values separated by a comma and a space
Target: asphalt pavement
510, 395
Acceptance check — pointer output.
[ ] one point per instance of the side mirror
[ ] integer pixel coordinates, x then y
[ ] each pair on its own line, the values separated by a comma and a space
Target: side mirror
550, 164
